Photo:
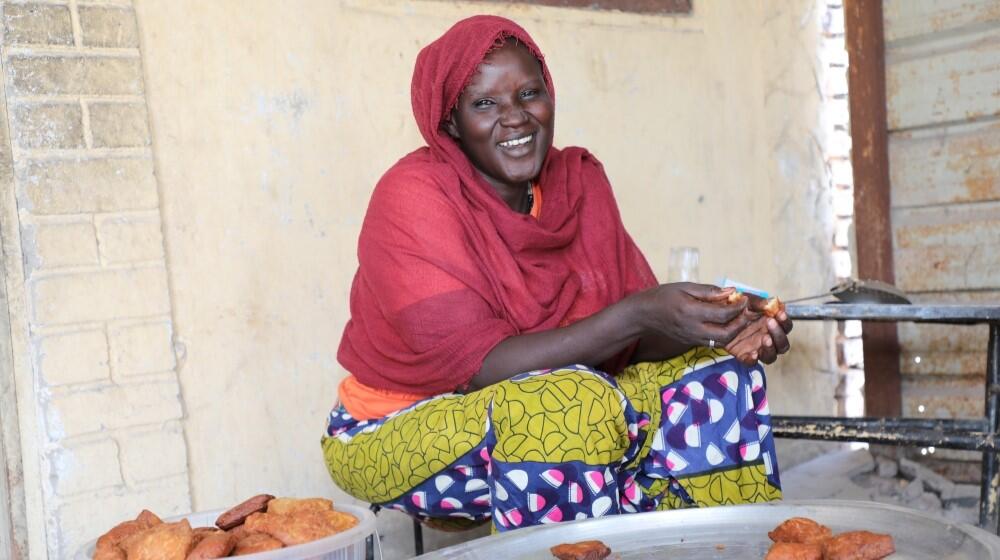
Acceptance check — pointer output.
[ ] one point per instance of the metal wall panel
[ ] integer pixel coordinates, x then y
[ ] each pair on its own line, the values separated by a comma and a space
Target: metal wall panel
943, 113
944, 79
941, 165
910, 18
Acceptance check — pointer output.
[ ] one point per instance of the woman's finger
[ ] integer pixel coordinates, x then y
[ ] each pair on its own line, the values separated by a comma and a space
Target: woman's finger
719, 313
768, 351
785, 321
707, 292
778, 336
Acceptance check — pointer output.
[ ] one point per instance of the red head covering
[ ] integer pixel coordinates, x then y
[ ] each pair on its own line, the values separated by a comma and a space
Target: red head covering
448, 270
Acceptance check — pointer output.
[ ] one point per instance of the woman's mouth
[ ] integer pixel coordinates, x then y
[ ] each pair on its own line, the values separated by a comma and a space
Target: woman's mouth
514, 143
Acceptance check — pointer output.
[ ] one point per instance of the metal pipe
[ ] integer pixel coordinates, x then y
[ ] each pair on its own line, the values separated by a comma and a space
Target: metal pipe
957, 314
990, 491
888, 431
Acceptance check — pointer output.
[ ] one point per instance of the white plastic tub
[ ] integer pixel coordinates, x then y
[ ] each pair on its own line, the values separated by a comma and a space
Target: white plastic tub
348, 545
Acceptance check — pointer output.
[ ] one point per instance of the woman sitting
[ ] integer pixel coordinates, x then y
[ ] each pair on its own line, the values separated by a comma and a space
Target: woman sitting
511, 353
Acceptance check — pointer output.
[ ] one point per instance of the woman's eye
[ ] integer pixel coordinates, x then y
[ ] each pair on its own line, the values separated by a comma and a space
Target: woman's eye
529, 93
482, 103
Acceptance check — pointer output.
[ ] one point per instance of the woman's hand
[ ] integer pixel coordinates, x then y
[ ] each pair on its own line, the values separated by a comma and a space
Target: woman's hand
765, 338
692, 314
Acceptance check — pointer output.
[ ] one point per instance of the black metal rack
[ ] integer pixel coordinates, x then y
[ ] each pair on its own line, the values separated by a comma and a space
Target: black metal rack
976, 434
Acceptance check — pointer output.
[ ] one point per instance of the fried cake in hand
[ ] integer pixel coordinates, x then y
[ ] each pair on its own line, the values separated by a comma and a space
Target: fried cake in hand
857, 545
166, 541
583, 550
795, 551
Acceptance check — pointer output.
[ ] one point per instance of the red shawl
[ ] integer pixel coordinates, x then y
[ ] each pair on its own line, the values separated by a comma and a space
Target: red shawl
447, 270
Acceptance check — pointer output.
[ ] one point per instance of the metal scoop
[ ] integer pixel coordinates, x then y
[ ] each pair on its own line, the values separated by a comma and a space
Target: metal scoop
861, 291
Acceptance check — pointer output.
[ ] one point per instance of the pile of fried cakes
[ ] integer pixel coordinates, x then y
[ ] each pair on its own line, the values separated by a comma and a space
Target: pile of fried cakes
258, 524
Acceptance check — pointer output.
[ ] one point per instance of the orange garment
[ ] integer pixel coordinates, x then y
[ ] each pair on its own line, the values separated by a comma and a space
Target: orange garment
367, 403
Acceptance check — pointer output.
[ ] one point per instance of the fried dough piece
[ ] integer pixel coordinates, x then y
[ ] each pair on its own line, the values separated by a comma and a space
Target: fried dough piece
583, 550
107, 544
217, 545
799, 530
773, 307
240, 532
148, 518
287, 506
857, 545
199, 533
238, 513
256, 542
166, 541
735, 297
300, 527
795, 551
109, 552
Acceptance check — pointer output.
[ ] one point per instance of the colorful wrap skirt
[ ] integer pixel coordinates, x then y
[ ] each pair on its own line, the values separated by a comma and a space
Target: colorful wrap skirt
568, 443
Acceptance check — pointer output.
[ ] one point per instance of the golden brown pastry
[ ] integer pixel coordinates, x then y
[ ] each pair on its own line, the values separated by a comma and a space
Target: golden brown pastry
216, 545
238, 514
800, 530
301, 527
773, 306
256, 542
286, 506
735, 297
148, 518
857, 545
109, 552
166, 541
584, 550
795, 551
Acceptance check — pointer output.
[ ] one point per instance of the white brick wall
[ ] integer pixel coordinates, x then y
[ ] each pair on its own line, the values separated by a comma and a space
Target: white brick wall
98, 301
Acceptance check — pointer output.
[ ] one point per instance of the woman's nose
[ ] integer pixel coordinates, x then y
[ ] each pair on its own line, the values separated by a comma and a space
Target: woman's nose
513, 115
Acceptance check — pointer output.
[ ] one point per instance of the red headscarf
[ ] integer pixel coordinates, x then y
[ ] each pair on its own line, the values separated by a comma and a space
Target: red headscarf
448, 270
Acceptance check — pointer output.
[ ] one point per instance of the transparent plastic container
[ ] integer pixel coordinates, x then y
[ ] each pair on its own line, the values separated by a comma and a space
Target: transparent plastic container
348, 545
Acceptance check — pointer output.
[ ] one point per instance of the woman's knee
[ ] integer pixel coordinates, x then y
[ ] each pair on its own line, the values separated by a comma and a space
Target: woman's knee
560, 415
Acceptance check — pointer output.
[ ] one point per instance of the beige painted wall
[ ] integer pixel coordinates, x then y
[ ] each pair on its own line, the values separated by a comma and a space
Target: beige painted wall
271, 125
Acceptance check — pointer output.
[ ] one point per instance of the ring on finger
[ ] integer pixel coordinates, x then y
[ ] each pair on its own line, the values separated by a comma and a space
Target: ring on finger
711, 343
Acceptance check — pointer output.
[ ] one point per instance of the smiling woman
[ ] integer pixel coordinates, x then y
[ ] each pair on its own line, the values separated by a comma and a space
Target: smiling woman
518, 361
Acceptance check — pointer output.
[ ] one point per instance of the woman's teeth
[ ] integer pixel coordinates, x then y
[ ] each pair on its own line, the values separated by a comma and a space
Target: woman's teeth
517, 141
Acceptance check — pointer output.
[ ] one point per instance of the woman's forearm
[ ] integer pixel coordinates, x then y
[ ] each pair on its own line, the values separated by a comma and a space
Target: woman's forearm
589, 341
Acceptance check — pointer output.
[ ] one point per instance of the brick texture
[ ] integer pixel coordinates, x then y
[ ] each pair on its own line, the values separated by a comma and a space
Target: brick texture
85, 467
99, 296
55, 125
37, 24
78, 357
96, 280
63, 244
82, 75
143, 348
166, 444
99, 185
119, 125
108, 26
112, 407
130, 238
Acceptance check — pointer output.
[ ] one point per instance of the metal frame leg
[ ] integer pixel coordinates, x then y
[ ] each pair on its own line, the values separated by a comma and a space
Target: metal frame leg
989, 496
418, 537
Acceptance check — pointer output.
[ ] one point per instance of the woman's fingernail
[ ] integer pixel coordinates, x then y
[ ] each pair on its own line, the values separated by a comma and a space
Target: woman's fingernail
768, 341
772, 323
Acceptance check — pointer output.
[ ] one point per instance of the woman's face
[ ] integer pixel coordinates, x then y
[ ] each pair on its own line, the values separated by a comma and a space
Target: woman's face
504, 118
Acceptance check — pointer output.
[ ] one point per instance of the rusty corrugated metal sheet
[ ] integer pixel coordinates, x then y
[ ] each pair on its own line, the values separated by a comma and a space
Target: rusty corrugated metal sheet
943, 115
948, 248
911, 18
941, 165
943, 80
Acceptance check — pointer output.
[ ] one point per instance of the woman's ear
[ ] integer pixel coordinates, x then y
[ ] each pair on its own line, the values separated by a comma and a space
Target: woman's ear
451, 127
